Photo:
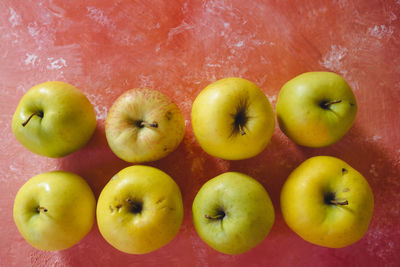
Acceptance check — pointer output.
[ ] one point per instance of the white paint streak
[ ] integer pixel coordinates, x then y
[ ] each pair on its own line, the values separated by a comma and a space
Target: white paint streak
98, 16
30, 59
14, 19
56, 63
33, 29
392, 16
239, 44
381, 31
101, 112
13, 168
271, 99
333, 59
184, 26
376, 138
373, 171
146, 81
214, 65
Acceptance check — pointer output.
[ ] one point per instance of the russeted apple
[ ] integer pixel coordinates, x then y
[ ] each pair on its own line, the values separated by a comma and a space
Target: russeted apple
54, 210
327, 202
316, 109
233, 213
144, 125
232, 119
54, 119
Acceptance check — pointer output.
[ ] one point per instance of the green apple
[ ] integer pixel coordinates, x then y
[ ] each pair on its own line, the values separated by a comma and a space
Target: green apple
54, 119
327, 202
315, 109
144, 125
233, 213
140, 210
54, 210
232, 119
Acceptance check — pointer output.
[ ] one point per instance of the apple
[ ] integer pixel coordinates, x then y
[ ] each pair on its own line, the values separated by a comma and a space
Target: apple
316, 109
144, 125
232, 119
54, 119
54, 210
139, 210
232, 213
327, 202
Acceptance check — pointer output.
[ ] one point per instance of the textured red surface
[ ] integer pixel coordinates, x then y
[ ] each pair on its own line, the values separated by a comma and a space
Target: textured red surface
178, 47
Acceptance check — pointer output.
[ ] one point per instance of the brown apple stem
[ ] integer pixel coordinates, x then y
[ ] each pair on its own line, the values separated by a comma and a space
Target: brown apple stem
242, 132
216, 217
328, 103
30, 117
147, 124
338, 202
41, 208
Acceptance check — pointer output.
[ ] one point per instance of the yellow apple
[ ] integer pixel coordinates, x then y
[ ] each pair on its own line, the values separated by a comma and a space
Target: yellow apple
233, 213
140, 210
54, 119
232, 119
316, 109
327, 202
54, 210
144, 125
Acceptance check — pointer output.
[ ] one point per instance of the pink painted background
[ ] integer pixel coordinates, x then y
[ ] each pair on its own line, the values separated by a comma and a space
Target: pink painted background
178, 47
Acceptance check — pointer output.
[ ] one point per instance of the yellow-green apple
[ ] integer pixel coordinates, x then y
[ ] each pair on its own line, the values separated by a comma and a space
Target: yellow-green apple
232, 119
54, 119
54, 210
315, 109
327, 202
144, 125
139, 210
232, 213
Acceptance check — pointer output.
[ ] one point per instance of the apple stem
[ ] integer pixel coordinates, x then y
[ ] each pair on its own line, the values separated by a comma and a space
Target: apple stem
242, 132
30, 117
328, 103
216, 217
338, 202
147, 124
41, 208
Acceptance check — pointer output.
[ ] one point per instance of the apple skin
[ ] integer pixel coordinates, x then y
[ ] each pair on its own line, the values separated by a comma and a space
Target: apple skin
66, 123
70, 210
138, 144
301, 114
306, 206
226, 109
248, 213
152, 223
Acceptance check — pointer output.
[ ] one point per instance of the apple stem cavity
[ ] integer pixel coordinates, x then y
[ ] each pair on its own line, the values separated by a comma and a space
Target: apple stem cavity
37, 113
240, 119
326, 104
40, 208
135, 206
